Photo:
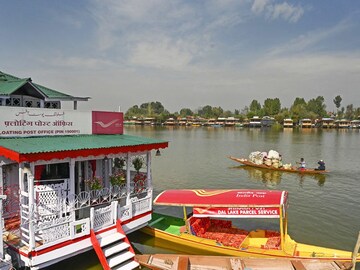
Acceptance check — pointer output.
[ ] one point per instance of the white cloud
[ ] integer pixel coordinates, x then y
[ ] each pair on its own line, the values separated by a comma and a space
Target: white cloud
78, 62
313, 64
161, 54
309, 39
259, 6
287, 12
272, 11
161, 33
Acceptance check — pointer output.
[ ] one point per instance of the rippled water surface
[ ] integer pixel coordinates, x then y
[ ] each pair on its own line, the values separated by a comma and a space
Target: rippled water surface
324, 210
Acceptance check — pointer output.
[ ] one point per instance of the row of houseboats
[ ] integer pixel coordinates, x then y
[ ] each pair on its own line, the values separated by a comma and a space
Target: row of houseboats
254, 122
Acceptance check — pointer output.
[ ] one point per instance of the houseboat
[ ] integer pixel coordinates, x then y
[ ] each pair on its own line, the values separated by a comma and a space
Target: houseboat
255, 122
170, 122
267, 121
288, 123
342, 123
326, 122
149, 121
182, 121
211, 122
73, 180
220, 121
230, 122
355, 123
305, 123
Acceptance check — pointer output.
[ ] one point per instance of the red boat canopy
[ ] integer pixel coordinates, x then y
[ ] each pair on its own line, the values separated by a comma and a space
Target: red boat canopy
231, 203
222, 198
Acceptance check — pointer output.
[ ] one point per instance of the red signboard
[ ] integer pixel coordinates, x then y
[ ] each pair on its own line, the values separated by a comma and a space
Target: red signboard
107, 122
237, 212
222, 198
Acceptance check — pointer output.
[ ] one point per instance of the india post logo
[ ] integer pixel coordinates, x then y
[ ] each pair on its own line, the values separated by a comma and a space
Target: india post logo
107, 122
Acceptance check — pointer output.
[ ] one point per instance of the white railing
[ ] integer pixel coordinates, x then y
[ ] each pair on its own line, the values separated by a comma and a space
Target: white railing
60, 230
141, 206
136, 206
125, 212
52, 220
104, 216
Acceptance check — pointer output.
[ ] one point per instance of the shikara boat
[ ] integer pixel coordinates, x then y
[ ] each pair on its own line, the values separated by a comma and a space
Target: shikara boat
198, 262
208, 231
291, 170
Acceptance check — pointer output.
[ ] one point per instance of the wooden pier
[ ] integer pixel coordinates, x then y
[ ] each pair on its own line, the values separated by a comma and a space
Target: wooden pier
197, 262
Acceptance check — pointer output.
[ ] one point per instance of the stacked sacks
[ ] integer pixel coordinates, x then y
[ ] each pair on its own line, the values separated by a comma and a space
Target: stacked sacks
257, 157
273, 158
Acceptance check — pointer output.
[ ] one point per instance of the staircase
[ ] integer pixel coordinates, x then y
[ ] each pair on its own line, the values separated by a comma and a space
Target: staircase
114, 251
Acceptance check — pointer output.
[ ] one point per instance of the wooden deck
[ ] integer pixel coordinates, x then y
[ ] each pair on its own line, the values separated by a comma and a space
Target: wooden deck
196, 262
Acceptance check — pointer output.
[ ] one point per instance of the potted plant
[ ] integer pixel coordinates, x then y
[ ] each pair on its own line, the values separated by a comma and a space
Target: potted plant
139, 178
117, 179
119, 163
138, 163
95, 183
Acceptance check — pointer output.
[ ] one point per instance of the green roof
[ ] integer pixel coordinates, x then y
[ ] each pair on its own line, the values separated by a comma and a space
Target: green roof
33, 145
8, 87
9, 84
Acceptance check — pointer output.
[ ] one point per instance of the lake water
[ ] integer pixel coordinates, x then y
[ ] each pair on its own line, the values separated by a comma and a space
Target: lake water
324, 209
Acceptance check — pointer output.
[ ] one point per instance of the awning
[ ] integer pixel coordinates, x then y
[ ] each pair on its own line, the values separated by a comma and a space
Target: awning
30, 149
233, 203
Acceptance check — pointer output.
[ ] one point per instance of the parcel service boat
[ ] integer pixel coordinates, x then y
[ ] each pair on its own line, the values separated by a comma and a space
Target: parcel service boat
210, 230
246, 162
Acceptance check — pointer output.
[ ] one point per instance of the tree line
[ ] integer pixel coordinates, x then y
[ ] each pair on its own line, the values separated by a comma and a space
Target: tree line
314, 108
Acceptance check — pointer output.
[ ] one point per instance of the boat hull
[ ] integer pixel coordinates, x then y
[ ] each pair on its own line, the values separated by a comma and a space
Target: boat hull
191, 244
181, 262
263, 166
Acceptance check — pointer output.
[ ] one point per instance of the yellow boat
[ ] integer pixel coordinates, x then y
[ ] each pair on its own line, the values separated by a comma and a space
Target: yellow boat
208, 231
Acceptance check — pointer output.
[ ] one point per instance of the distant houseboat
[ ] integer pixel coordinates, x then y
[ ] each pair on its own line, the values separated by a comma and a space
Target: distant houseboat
230, 122
221, 121
305, 123
288, 123
355, 123
170, 122
255, 122
326, 123
182, 121
342, 123
74, 182
267, 121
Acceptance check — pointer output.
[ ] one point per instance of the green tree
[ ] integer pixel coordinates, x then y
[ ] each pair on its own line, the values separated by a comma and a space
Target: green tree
299, 101
349, 113
134, 111
317, 106
186, 112
217, 112
205, 111
298, 112
337, 101
255, 106
227, 113
272, 106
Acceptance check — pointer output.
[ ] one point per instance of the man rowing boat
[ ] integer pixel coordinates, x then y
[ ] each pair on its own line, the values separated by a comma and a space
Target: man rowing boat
302, 164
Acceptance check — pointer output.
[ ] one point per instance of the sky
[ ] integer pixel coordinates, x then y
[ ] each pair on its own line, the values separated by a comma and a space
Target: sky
185, 53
